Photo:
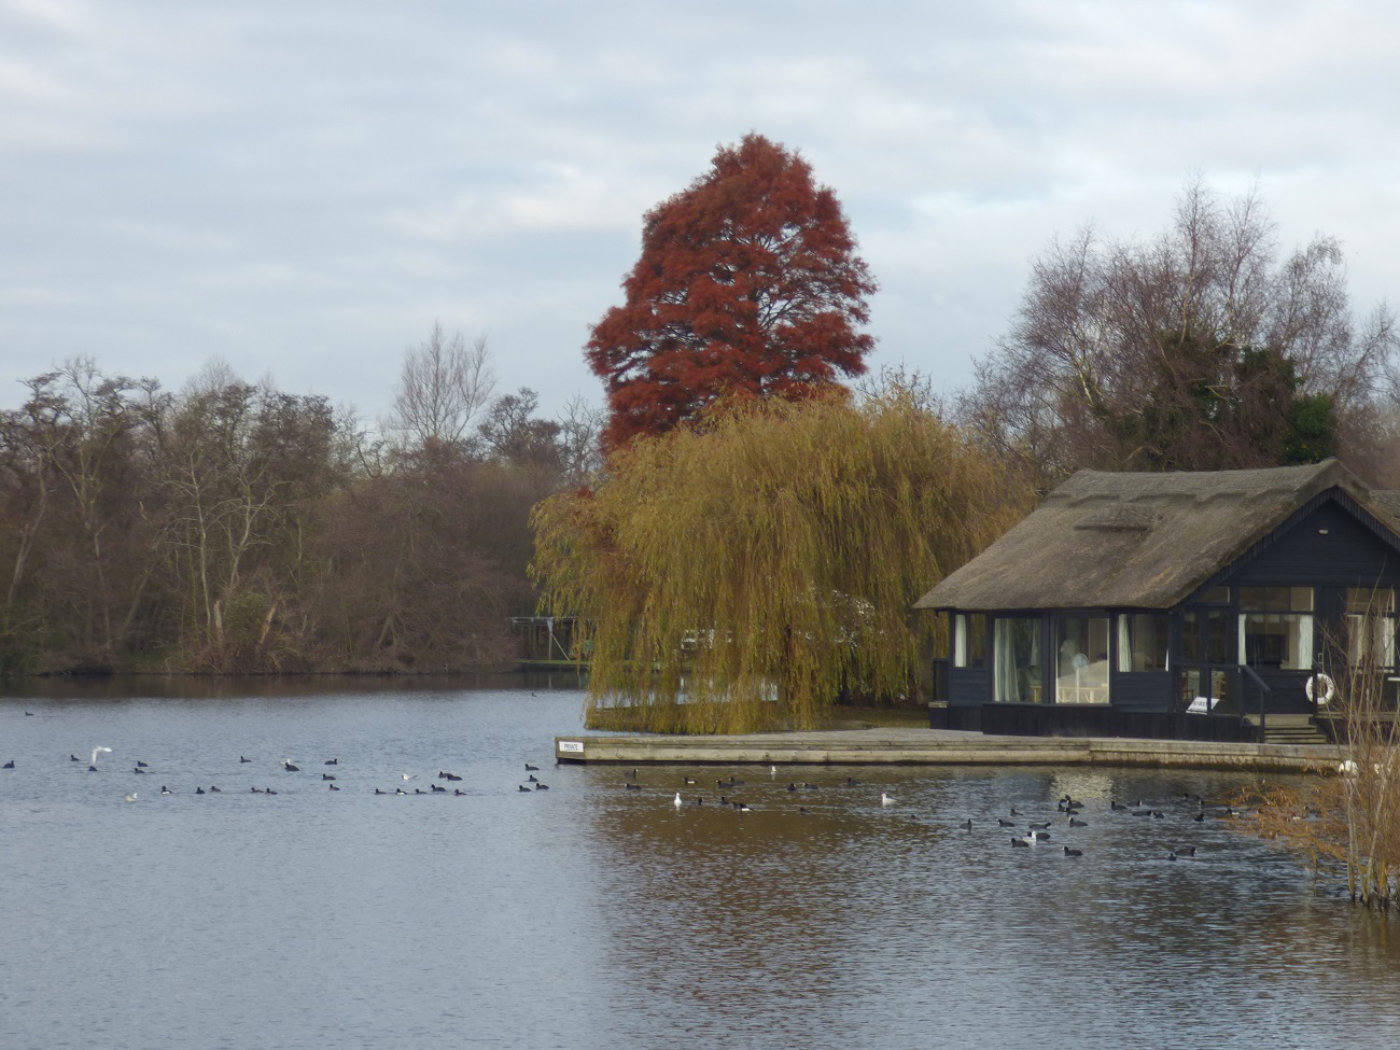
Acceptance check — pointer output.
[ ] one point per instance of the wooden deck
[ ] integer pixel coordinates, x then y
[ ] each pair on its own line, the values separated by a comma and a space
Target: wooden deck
937, 747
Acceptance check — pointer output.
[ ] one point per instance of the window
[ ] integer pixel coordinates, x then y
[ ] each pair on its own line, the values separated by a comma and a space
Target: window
1016, 652
1277, 599
1214, 596
970, 640
1081, 660
1142, 642
1370, 626
1205, 636
1210, 694
1276, 627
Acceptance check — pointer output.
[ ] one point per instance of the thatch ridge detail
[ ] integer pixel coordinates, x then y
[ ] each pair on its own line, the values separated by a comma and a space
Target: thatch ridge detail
1141, 540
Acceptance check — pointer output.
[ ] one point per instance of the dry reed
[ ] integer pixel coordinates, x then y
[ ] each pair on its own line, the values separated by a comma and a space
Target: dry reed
1353, 817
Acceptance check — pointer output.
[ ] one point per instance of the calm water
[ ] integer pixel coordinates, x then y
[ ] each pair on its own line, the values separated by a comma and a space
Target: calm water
594, 916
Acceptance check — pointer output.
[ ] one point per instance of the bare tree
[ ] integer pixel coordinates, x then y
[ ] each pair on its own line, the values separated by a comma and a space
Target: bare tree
444, 385
580, 430
1112, 339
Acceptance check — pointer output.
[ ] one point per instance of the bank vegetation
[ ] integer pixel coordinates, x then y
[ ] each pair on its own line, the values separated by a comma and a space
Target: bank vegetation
235, 526
1350, 822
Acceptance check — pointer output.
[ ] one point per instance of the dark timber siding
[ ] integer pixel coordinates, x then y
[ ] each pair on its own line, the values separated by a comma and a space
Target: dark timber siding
1288, 692
969, 686
1142, 691
1348, 555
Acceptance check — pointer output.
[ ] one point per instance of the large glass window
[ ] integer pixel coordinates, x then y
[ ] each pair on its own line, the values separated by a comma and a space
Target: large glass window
1142, 642
970, 640
1276, 627
1081, 660
1370, 625
1016, 656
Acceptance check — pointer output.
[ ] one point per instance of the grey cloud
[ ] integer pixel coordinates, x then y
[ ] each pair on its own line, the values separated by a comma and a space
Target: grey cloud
303, 189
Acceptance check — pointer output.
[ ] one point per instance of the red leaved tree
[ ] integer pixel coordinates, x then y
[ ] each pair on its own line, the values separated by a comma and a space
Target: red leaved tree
748, 283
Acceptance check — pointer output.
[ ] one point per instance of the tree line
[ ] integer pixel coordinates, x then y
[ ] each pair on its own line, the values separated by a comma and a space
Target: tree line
235, 526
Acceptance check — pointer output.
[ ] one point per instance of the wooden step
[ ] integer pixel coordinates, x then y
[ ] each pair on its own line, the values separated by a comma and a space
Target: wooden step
1293, 735
1290, 729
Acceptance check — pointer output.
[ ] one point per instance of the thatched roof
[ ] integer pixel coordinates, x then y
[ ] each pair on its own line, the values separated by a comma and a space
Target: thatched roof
1140, 540
1388, 502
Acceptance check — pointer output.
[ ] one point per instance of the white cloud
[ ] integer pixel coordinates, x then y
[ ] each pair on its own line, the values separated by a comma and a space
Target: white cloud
61, 15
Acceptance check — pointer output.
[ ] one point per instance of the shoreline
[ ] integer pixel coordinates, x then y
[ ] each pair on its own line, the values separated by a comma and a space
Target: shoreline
100, 676
941, 747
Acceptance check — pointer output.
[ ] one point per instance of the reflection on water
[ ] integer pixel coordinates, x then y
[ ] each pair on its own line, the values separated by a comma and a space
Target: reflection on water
593, 915
856, 920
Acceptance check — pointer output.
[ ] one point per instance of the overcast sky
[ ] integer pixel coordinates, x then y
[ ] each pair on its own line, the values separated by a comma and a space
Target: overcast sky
300, 189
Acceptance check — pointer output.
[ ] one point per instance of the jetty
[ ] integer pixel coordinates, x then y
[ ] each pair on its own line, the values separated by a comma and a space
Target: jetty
942, 747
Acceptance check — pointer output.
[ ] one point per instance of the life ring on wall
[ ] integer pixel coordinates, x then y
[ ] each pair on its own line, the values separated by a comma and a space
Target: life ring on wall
1327, 692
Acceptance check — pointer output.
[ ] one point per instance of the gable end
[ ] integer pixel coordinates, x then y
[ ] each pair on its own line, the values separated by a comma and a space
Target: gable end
1331, 540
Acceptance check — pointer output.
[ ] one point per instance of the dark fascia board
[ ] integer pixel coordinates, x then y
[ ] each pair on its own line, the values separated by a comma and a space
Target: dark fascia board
1087, 610
1335, 494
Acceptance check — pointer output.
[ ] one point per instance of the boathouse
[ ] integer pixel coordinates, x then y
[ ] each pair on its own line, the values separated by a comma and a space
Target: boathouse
1191, 605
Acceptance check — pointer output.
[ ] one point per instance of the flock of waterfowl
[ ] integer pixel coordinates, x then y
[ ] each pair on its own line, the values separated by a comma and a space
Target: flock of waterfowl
328, 776
1069, 811
1186, 808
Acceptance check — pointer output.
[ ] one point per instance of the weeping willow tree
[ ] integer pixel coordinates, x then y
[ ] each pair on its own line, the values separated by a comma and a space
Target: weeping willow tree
740, 573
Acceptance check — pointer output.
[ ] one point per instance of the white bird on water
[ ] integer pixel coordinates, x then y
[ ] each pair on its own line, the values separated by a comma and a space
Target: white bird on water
677, 801
131, 797
99, 749
886, 800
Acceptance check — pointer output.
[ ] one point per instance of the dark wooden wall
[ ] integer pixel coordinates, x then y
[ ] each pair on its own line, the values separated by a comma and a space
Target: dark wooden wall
1346, 554
969, 685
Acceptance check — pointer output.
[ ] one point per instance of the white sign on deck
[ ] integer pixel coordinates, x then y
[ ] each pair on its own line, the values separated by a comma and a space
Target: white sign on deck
571, 747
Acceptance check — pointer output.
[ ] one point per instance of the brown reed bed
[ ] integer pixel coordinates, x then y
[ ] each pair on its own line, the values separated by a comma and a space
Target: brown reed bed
1351, 820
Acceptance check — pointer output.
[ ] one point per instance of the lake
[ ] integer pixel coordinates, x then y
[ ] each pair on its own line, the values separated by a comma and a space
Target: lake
591, 915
